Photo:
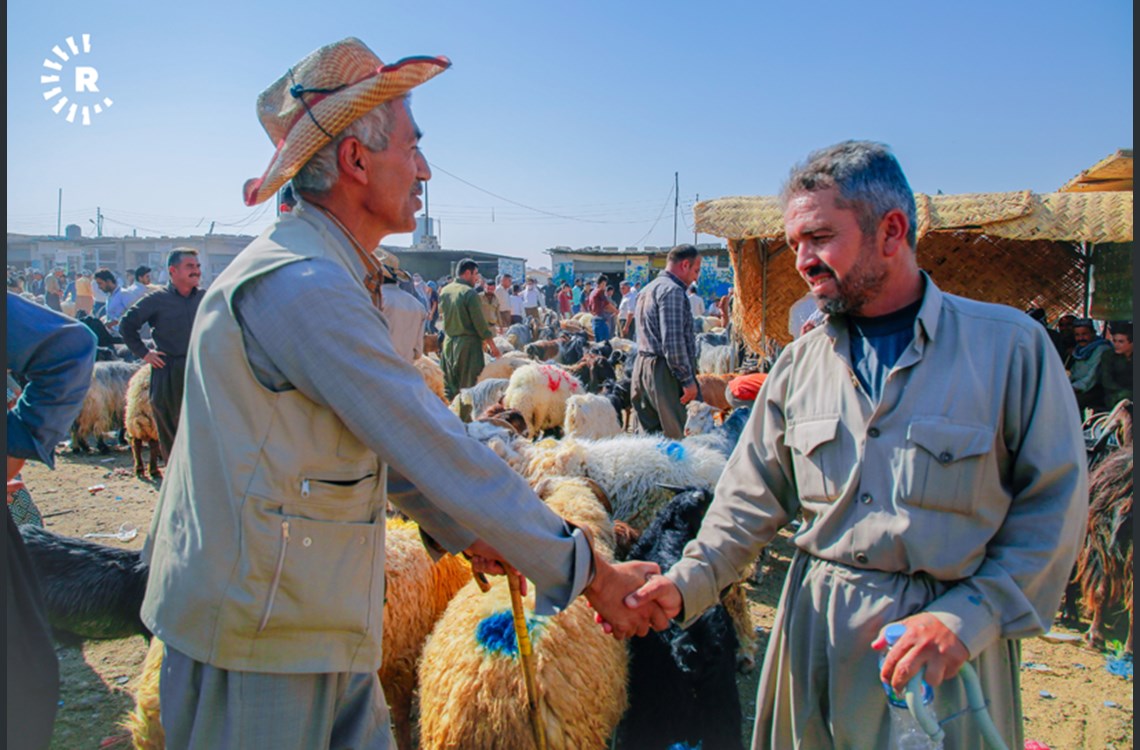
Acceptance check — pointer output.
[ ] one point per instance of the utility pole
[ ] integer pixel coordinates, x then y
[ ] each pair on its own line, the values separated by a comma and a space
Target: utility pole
676, 204
59, 215
695, 202
98, 222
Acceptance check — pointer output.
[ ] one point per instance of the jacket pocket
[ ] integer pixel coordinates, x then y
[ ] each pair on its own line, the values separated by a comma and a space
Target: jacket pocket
950, 461
311, 575
816, 458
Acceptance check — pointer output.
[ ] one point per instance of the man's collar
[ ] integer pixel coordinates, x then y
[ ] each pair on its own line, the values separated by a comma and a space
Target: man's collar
676, 281
928, 313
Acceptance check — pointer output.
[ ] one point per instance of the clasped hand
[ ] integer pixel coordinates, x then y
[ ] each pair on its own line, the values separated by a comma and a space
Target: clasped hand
634, 598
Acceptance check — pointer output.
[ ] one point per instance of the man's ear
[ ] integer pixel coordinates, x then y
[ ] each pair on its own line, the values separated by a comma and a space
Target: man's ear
893, 232
352, 159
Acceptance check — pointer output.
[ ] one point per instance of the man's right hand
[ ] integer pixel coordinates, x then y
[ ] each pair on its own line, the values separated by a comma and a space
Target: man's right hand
606, 592
689, 393
155, 360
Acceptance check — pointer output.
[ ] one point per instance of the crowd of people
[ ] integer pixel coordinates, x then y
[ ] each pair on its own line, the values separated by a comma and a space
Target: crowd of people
291, 411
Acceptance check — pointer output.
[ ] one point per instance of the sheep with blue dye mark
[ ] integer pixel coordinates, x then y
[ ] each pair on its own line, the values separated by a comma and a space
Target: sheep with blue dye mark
629, 468
472, 693
417, 592
540, 392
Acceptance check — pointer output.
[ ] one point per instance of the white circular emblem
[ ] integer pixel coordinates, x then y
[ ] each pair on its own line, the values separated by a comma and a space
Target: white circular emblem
70, 87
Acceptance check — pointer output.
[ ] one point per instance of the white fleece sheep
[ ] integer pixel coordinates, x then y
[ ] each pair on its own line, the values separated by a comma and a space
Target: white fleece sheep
590, 416
716, 360
503, 366
472, 693
629, 468
138, 419
540, 391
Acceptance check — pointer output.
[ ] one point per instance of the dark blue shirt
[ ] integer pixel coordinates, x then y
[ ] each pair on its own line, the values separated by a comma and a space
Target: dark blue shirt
877, 343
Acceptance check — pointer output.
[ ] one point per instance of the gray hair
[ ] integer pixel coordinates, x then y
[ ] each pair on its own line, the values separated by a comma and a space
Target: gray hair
868, 178
372, 129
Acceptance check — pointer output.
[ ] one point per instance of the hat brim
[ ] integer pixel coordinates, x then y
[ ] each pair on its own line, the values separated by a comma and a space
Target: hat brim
335, 112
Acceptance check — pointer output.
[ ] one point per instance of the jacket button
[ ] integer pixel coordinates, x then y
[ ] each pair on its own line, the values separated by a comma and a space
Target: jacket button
866, 498
945, 457
361, 540
307, 542
873, 432
860, 558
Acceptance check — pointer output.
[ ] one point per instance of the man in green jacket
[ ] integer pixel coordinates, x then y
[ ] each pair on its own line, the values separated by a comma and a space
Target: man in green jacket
466, 330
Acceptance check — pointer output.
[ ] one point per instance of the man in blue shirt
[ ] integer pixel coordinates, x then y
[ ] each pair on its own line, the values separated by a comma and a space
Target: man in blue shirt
117, 300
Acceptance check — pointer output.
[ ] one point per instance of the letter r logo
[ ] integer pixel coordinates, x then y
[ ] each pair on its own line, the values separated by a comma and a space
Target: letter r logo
85, 78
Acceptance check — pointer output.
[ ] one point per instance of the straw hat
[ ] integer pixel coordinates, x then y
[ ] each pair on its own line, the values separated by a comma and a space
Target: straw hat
322, 95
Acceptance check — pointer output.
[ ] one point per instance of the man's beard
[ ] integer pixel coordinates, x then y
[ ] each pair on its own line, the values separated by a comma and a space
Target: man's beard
862, 284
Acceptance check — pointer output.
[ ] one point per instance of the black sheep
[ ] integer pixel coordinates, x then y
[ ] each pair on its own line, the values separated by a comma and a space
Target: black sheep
620, 395
573, 348
682, 683
91, 591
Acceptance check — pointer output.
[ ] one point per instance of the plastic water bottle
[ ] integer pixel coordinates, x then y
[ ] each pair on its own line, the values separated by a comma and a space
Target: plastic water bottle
906, 733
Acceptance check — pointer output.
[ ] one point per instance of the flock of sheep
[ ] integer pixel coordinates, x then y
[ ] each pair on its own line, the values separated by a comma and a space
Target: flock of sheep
556, 409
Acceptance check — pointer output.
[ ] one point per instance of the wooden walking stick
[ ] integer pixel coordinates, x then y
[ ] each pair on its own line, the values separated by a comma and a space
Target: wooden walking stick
526, 659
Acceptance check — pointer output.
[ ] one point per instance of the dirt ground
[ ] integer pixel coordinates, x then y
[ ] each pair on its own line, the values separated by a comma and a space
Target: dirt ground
1070, 700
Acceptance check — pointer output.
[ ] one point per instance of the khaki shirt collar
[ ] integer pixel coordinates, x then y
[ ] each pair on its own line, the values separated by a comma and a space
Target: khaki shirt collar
335, 238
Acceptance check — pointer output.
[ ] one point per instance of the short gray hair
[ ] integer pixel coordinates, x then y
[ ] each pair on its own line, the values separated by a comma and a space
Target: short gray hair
372, 129
868, 177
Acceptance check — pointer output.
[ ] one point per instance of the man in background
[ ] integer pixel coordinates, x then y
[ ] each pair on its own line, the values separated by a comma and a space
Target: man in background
170, 314
665, 374
466, 330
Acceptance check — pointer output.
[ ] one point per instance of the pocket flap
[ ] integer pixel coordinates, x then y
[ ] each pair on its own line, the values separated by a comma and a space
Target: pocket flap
809, 434
948, 441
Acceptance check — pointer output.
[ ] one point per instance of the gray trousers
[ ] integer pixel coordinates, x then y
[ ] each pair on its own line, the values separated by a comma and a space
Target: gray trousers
206, 707
166, 387
820, 684
656, 396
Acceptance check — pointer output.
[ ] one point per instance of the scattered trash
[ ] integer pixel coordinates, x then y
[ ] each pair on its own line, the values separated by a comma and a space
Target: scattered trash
760, 630
1052, 637
1034, 666
122, 680
1046, 694
125, 533
118, 498
1111, 704
1078, 665
1035, 745
1120, 666
107, 460
59, 513
96, 488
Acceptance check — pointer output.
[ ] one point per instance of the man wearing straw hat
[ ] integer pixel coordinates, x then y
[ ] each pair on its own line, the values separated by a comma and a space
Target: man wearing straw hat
942, 485
267, 547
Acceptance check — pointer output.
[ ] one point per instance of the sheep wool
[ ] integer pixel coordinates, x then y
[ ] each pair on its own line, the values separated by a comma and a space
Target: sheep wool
472, 693
432, 374
138, 420
480, 396
416, 594
590, 416
104, 404
540, 392
629, 468
504, 366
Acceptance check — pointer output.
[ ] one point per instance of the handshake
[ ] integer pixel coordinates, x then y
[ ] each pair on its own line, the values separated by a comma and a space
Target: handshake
628, 598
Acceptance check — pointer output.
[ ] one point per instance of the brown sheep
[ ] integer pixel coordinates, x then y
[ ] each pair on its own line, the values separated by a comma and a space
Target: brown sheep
138, 420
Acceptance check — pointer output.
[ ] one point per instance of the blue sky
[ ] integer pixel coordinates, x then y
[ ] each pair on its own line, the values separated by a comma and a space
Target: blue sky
584, 110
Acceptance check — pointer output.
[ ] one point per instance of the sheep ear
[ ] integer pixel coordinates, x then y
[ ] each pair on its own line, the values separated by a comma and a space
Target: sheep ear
600, 493
544, 488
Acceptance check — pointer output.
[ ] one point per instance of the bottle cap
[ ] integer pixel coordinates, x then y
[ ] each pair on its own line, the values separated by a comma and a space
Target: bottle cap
894, 632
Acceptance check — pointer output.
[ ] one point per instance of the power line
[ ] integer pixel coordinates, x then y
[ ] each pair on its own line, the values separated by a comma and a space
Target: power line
664, 206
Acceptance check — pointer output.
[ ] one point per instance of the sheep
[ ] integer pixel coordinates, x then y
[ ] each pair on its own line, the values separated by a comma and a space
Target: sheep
682, 683
543, 350
433, 342
724, 437
138, 420
471, 692
103, 406
1104, 568
480, 396
432, 374
504, 344
573, 348
629, 468
700, 418
511, 419
593, 370
712, 389
715, 359
91, 591
417, 592
590, 416
518, 335
540, 393
503, 366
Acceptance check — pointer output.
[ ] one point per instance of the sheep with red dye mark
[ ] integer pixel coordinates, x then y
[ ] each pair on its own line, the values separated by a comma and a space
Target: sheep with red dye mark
540, 392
